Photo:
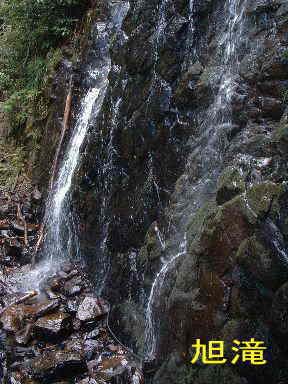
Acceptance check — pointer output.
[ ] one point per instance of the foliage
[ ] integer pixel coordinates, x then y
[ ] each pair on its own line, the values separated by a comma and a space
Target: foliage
285, 54
12, 160
31, 33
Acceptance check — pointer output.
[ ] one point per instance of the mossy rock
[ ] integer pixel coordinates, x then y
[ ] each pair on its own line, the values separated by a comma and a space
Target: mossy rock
230, 184
197, 224
281, 136
259, 260
264, 197
258, 201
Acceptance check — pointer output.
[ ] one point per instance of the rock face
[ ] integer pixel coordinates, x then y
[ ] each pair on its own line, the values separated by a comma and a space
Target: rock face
230, 199
153, 171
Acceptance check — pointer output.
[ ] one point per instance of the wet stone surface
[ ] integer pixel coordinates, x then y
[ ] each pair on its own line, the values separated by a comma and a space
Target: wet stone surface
51, 340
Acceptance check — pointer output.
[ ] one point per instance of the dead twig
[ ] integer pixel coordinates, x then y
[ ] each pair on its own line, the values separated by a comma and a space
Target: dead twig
38, 244
21, 218
66, 118
64, 129
20, 301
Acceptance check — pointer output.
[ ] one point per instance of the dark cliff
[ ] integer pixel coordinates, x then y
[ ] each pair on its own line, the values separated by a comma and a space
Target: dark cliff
184, 171
164, 80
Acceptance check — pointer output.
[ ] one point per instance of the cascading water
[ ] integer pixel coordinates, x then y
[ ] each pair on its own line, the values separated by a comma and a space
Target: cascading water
215, 125
61, 241
151, 324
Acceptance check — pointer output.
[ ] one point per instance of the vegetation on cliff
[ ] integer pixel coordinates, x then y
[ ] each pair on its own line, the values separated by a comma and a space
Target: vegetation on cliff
32, 33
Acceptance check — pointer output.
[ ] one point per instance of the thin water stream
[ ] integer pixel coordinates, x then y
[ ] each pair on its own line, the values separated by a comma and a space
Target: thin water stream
209, 154
61, 242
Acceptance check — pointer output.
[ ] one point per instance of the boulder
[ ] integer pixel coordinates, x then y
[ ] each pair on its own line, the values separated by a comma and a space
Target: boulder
12, 318
92, 308
4, 224
230, 184
57, 365
54, 327
72, 305
71, 288
108, 368
46, 307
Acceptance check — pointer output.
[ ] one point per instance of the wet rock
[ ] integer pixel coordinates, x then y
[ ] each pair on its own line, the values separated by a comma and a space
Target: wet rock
51, 295
72, 306
87, 380
260, 6
19, 229
56, 285
91, 347
76, 324
4, 209
279, 312
9, 299
36, 195
257, 257
272, 107
67, 267
57, 365
24, 335
92, 308
186, 92
72, 289
45, 308
108, 368
93, 334
53, 328
4, 224
63, 275
12, 318
76, 344
230, 184
72, 274
14, 250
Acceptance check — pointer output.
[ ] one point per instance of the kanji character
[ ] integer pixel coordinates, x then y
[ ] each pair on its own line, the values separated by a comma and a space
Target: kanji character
215, 352
252, 351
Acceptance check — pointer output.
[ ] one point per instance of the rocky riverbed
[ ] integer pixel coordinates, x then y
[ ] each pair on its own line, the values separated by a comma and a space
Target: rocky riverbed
60, 333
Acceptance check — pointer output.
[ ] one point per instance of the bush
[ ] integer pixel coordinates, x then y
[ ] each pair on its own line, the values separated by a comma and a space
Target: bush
31, 32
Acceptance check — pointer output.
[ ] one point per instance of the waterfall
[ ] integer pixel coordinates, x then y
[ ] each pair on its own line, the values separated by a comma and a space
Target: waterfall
151, 324
207, 152
61, 241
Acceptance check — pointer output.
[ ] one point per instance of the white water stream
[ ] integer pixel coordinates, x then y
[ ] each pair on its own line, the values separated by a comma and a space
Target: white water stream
218, 117
61, 230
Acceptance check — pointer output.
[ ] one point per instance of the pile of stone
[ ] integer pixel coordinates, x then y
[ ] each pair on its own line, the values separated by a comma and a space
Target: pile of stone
61, 332
18, 226
62, 335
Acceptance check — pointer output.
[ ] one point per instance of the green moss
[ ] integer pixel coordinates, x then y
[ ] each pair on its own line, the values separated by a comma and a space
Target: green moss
197, 222
32, 34
285, 54
257, 201
263, 197
230, 184
281, 133
12, 160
